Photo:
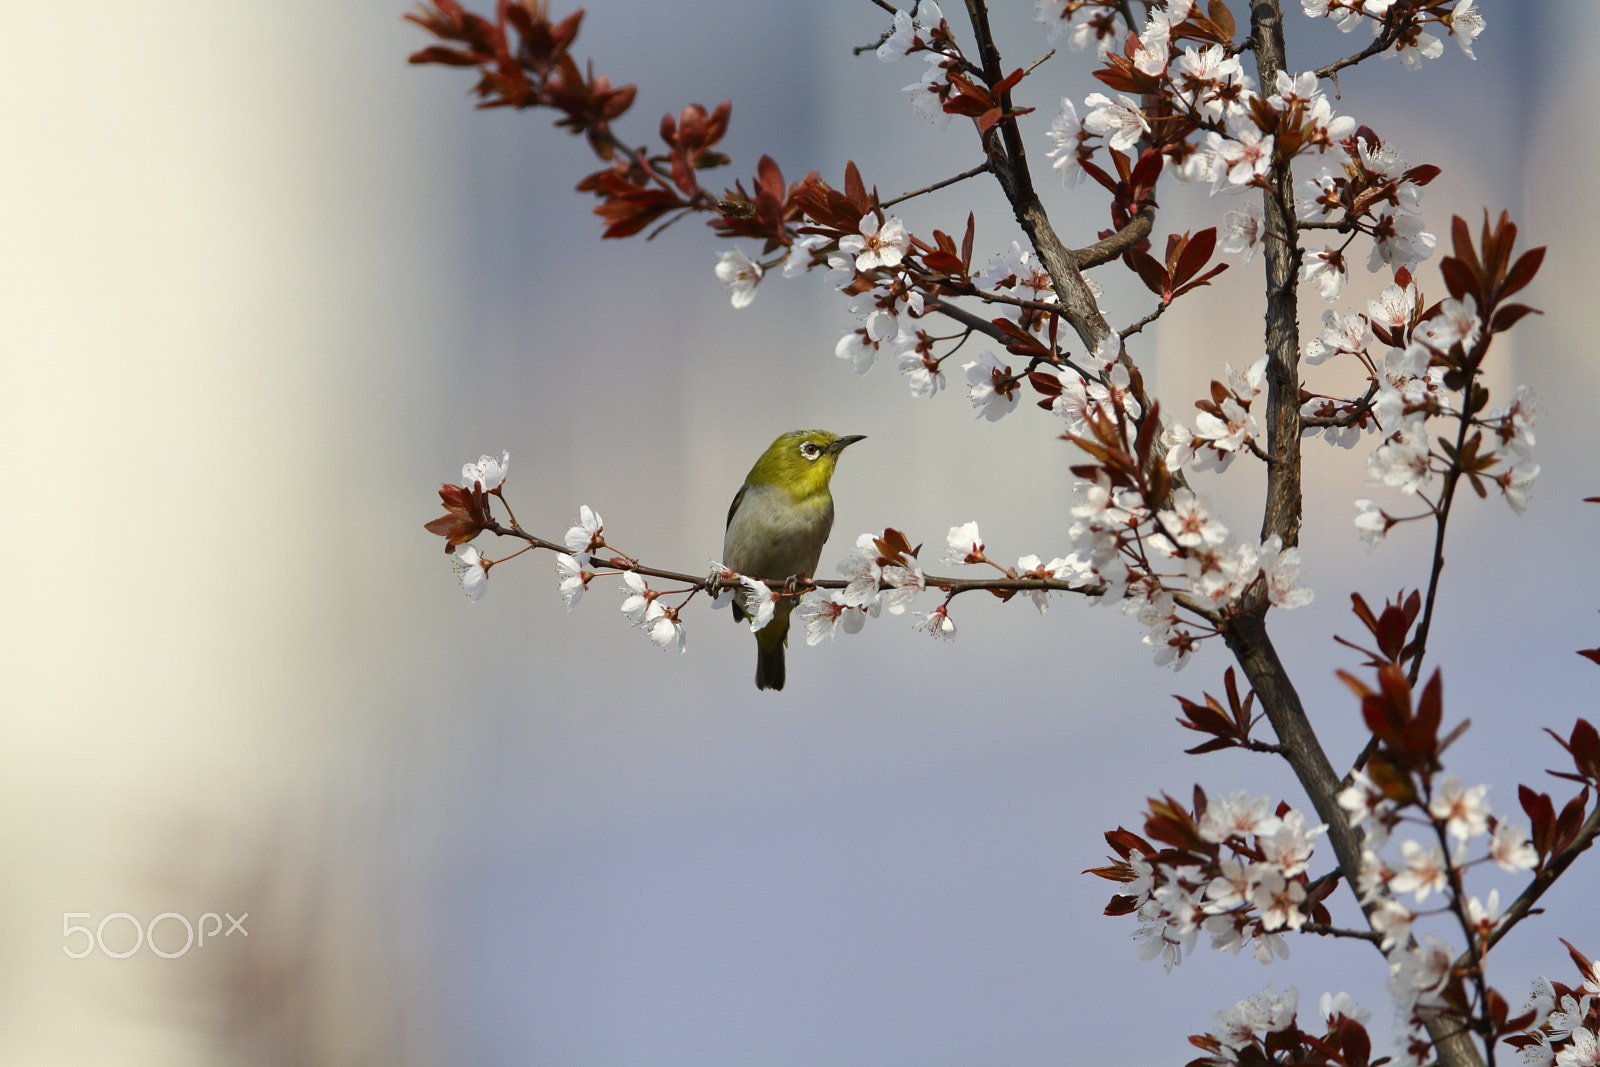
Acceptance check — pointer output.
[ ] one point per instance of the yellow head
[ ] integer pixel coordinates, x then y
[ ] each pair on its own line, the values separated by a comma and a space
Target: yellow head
801, 461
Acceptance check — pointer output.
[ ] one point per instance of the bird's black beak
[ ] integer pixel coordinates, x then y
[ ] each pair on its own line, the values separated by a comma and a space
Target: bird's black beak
845, 442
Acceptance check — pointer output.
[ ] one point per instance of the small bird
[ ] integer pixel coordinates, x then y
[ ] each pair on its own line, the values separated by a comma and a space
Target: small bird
776, 528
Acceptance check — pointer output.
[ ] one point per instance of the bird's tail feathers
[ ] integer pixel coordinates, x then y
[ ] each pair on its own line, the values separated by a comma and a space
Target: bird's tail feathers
771, 640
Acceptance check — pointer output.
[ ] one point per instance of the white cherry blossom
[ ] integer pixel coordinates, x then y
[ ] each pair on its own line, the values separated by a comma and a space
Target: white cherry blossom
825, 615
1281, 568
488, 472
661, 625
1120, 120
989, 387
760, 602
1066, 134
573, 579
1511, 849
587, 535
877, 245
472, 571
965, 544
741, 275
1465, 811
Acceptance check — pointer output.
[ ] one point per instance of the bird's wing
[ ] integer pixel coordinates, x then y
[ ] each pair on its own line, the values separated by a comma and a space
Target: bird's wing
734, 507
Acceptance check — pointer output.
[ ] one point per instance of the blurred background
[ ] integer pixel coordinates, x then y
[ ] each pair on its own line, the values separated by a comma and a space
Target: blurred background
265, 286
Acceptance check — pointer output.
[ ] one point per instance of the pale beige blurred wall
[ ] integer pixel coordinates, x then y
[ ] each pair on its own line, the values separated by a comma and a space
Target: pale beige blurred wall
200, 277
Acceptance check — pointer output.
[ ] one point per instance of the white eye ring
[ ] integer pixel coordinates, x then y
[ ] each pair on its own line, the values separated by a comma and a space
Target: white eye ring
810, 451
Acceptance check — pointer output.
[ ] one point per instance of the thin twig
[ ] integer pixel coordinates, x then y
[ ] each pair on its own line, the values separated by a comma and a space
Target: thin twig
981, 168
653, 234
1338, 931
1038, 62
1356, 414
1380, 43
860, 48
1128, 331
1452, 478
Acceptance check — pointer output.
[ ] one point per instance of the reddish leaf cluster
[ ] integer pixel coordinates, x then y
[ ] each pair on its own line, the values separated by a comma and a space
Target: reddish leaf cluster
524, 62
536, 71
1132, 189
768, 213
1346, 1044
1488, 277
690, 139
1552, 834
1229, 727
983, 104
1137, 464
1409, 745
836, 214
1391, 628
629, 200
467, 516
1584, 748
1469, 459
1407, 733
1363, 188
894, 550
1186, 257
639, 189
944, 258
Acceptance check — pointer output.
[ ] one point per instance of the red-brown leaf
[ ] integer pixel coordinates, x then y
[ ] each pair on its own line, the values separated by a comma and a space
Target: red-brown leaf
1219, 14
1507, 315
1522, 272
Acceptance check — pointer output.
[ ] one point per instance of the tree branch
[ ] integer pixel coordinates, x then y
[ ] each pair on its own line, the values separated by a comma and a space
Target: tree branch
953, 586
1338, 931
1522, 907
1246, 635
1128, 331
1137, 229
976, 323
1380, 43
1355, 415
981, 168
1283, 510
1010, 168
1447, 497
